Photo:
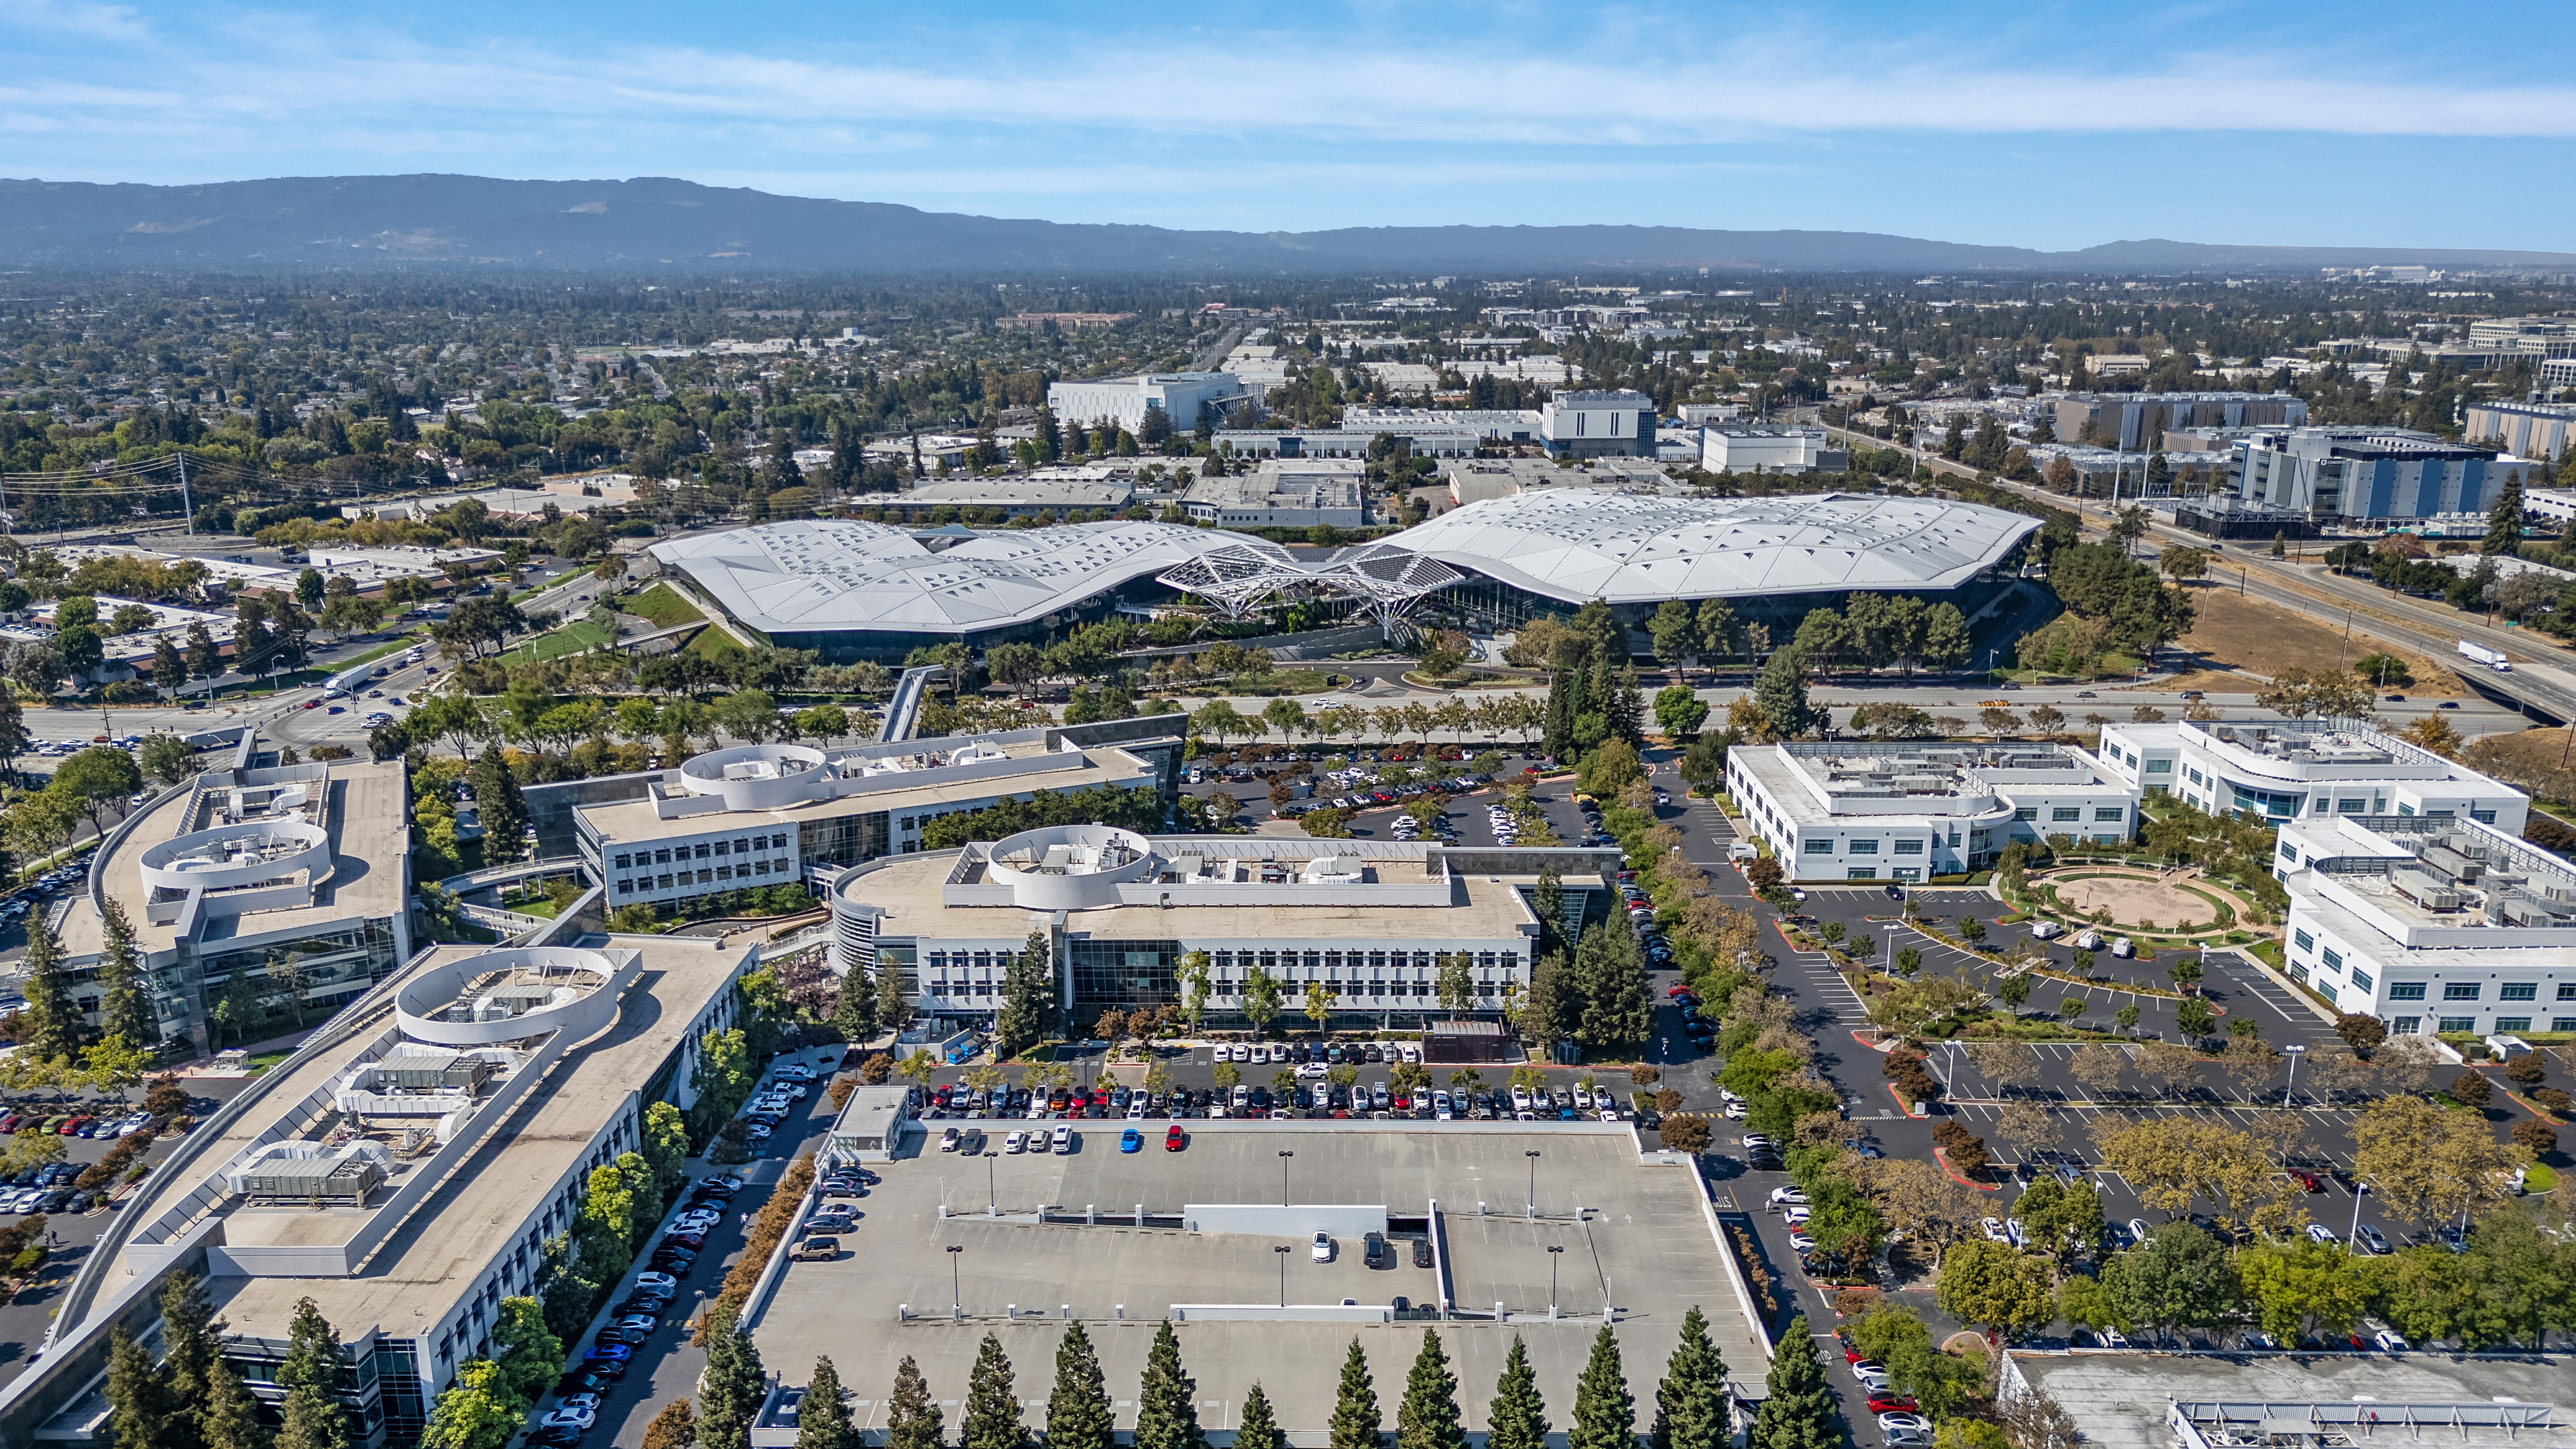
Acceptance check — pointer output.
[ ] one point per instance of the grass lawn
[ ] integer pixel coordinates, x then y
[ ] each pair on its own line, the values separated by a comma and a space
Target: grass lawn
2539, 1179
572, 638
264, 1060
712, 644
663, 606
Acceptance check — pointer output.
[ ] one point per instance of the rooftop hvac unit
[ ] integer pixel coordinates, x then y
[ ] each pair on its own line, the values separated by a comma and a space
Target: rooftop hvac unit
2428, 891
2451, 864
2522, 910
302, 1170
456, 1073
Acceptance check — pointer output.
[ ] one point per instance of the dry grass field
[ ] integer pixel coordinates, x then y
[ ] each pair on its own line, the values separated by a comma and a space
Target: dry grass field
2244, 634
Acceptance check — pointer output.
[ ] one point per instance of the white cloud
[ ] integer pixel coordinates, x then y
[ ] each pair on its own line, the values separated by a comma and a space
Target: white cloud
104, 22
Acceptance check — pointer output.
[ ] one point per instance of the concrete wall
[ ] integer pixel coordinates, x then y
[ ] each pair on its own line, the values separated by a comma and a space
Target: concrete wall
1347, 1222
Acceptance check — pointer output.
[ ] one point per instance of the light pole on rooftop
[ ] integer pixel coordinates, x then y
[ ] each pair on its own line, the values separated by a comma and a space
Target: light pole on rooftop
1283, 1178
1555, 1254
1282, 1251
1533, 1183
956, 1293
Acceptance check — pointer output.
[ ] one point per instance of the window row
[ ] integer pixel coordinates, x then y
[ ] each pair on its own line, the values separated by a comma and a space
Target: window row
704, 850
2468, 991
1225, 963
638, 885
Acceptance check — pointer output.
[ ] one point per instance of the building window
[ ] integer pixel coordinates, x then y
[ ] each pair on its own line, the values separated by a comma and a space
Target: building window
666, 882
2562, 1023
2113, 814
2513, 1023
623, 862
2159, 767
2457, 1023
2567, 990
1864, 847
2361, 978
2406, 991
2290, 853
720, 848
2406, 1025
626, 887
2334, 960
706, 877
2459, 991
2351, 807
2483, 817
778, 842
2303, 940
2026, 812
2066, 812
1909, 847
1863, 872
2518, 991
1820, 847
724, 872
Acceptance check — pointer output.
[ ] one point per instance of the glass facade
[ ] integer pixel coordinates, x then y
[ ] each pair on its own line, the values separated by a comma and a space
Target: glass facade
298, 981
406, 1407
1125, 974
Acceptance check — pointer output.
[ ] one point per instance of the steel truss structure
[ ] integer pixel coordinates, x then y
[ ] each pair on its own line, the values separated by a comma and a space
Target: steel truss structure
1384, 579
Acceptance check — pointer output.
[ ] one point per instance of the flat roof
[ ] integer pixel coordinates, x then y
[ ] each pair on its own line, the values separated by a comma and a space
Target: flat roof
1644, 1245
2122, 1399
368, 825
475, 1213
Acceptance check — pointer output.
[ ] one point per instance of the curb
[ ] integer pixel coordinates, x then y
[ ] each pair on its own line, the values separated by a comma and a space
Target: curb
1943, 1160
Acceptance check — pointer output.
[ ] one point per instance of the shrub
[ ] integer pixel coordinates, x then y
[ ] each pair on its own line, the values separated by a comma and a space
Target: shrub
766, 1230
2470, 1087
2537, 1135
1645, 1074
1966, 1151
1668, 1101
876, 1069
2525, 1071
1685, 1134
165, 1098
2360, 1030
2553, 1099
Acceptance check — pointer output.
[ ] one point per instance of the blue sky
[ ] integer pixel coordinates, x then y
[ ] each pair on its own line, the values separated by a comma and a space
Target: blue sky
2046, 125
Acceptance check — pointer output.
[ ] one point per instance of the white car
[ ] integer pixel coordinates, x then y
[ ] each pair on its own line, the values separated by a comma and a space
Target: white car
1781, 1195
1520, 1099
568, 1417
1062, 1141
1136, 1108
1322, 1249
1016, 1143
2113, 1338
1312, 1071
2138, 1229
796, 1072
1872, 1376
662, 1283
2390, 1341
1909, 1423
948, 1140
1794, 1213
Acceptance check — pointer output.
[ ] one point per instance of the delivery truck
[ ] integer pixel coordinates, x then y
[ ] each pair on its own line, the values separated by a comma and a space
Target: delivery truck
2492, 658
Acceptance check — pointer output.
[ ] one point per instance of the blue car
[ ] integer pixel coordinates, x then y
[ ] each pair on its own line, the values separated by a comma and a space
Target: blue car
1130, 1141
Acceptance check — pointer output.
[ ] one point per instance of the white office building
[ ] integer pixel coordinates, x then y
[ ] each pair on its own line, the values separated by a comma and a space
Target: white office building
2431, 925
2283, 770
1284, 493
1178, 396
1599, 424
1908, 811
1739, 448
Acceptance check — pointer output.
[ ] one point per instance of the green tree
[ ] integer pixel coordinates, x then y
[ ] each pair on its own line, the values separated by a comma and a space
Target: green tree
2504, 520
165, 759
191, 1358
1605, 1414
124, 1008
992, 1418
1078, 1413
527, 1352
854, 1010
1797, 1407
98, 781
1167, 1410
2179, 1276
50, 1026
227, 1418
503, 812
1257, 1428
139, 1402
1781, 694
1427, 1416
666, 1146
1679, 711
1609, 976
1028, 993
1691, 1404
1994, 1286
1355, 1413
734, 1386
311, 1416
912, 1415
475, 1410
1260, 998
823, 1416
1517, 1417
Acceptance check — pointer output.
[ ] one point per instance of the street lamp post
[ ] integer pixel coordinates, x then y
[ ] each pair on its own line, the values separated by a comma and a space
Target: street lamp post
956, 1293
2293, 1051
992, 1196
2353, 1235
1283, 1177
1282, 1251
1533, 1186
1555, 1252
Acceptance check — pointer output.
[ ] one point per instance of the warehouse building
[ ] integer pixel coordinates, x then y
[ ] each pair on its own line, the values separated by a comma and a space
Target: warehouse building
1284, 493
2288, 769
2375, 475
1897, 811
1182, 398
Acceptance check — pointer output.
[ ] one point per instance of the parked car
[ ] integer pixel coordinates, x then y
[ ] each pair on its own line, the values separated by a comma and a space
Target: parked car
818, 1248
1321, 1249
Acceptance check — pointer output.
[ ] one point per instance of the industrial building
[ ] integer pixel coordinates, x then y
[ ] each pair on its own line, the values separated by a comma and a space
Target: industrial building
1015, 497
2431, 924
771, 815
2527, 430
2375, 475
2130, 421
2297, 1400
1284, 493
1370, 922
2286, 769
1903, 811
292, 880
403, 1170
1598, 424
1183, 398
1741, 448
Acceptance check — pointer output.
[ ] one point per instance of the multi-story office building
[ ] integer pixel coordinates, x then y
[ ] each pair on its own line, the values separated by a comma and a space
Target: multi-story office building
2288, 769
260, 895
771, 815
2431, 925
2130, 421
1742, 448
1598, 424
2528, 430
1858, 810
1181, 397
403, 1171
1284, 493
2374, 474
1372, 922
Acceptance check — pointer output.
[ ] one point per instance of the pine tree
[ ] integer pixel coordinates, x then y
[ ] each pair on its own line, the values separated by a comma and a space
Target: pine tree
1428, 1416
2504, 520
501, 809
139, 1403
855, 1014
1798, 1406
191, 1359
1355, 1412
1517, 1418
1690, 1404
124, 1010
912, 1416
1167, 1410
226, 1417
1257, 1429
992, 1409
1781, 692
822, 1418
49, 1025
734, 1387
312, 1417
1028, 987
1605, 1416
1078, 1414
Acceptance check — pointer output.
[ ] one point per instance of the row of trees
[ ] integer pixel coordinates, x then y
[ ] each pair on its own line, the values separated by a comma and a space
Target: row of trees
1489, 716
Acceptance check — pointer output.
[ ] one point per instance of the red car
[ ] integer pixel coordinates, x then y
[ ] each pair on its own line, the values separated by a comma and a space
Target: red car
1676, 989
1174, 1139
72, 1126
2306, 1179
11, 1122
691, 1241
1891, 1404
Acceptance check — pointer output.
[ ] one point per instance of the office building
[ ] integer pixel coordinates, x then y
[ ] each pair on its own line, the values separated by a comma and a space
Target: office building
1015, 497
262, 896
2527, 430
2431, 925
2366, 476
403, 1170
1740, 448
1902, 811
1597, 424
2130, 421
2296, 1400
757, 816
1284, 493
1372, 922
2288, 769
1181, 397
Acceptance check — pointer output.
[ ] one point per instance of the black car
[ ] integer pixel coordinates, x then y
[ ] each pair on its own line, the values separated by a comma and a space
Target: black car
1422, 1252
580, 1383
1378, 1257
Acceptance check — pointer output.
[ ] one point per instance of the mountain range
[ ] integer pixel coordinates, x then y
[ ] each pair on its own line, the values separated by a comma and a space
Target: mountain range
646, 223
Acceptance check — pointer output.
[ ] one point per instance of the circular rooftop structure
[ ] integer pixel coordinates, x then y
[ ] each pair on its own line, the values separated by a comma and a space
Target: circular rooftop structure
237, 855
1069, 867
499, 996
754, 777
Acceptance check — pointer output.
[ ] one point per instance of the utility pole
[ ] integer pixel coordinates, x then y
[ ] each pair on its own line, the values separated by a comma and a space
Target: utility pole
187, 509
